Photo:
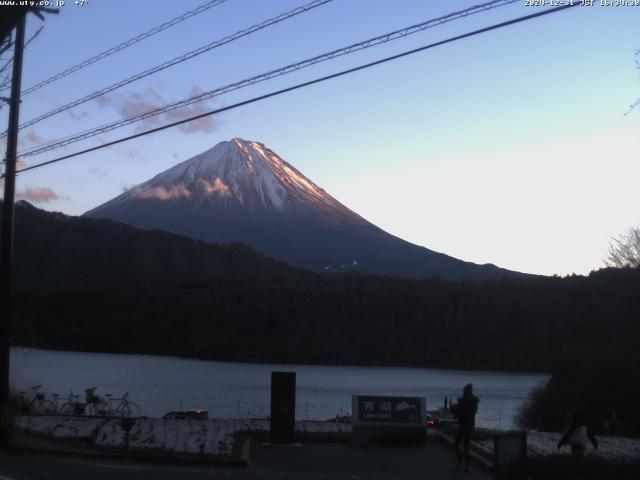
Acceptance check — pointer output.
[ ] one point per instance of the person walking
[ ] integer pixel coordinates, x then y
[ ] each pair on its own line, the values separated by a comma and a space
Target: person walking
578, 435
465, 412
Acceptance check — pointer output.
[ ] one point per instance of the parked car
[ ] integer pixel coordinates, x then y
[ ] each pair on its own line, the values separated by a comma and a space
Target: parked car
187, 414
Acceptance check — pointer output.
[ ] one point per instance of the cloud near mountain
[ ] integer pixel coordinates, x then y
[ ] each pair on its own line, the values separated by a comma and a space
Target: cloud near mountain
161, 193
216, 187
38, 195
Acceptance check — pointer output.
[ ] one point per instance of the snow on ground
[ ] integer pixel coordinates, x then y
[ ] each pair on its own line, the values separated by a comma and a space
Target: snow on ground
545, 443
216, 437
205, 437
110, 434
60, 427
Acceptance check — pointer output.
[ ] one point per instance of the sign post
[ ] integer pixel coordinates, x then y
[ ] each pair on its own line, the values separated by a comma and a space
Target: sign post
387, 419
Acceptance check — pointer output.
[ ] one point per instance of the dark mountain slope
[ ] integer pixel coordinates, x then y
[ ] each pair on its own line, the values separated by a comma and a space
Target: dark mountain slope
53, 250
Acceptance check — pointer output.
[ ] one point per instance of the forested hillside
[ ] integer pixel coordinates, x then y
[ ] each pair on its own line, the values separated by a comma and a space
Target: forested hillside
95, 285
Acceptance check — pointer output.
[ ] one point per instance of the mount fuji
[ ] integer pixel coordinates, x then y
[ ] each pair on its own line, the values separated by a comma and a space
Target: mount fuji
242, 191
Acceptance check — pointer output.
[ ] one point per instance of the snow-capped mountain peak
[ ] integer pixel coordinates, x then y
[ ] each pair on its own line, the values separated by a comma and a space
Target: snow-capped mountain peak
241, 190
240, 174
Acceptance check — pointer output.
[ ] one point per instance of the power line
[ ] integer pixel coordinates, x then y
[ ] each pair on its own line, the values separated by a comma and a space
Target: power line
182, 58
387, 37
306, 84
33, 37
26, 44
4, 48
6, 45
125, 44
6, 65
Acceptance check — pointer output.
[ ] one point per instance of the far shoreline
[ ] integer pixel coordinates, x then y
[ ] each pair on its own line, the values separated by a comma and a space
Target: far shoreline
257, 361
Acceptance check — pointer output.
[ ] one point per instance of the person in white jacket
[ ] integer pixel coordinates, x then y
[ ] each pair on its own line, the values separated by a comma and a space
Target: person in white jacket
578, 437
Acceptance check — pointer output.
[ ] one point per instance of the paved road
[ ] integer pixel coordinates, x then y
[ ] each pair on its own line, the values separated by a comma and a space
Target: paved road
312, 461
326, 460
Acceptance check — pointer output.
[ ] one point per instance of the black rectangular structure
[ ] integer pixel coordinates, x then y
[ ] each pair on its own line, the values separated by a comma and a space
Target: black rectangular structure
283, 407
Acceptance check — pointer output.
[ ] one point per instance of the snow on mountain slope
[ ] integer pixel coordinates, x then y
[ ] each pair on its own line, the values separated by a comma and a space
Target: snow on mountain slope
239, 173
242, 191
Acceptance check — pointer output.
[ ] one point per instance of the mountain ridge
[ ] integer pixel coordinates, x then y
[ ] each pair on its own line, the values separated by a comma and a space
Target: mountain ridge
242, 191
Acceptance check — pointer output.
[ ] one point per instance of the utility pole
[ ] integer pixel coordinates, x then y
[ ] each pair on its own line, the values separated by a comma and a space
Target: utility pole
6, 255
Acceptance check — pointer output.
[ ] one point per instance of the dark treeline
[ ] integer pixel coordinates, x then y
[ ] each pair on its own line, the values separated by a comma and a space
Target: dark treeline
541, 324
96, 285
582, 329
603, 384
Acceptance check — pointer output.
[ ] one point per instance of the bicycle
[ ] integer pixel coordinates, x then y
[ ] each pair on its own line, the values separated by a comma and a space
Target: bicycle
74, 407
97, 406
124, 408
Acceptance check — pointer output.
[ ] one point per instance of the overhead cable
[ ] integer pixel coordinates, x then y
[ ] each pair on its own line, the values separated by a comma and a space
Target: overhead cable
305, 84
182, 58
123, 45
371, 42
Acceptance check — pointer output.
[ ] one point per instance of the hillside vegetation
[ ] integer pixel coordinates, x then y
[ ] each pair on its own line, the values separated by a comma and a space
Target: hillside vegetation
53, 250
94, 285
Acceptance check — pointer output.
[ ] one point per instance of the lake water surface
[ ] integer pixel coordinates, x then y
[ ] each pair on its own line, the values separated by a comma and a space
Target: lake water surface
231, 390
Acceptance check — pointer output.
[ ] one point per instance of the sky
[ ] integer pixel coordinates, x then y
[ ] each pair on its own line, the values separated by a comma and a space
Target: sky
516, 147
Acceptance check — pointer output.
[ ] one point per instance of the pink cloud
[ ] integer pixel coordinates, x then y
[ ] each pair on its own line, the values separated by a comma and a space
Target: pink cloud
33, 138
130, 104
38, 195
30, 139
203, 124
161, 193
19, 165
217, 186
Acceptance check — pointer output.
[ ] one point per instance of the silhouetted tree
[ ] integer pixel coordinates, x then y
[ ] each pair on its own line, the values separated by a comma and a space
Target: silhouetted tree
624, 251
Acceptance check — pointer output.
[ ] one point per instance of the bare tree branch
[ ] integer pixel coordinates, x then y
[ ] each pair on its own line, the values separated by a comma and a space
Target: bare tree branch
635, 104
624, 251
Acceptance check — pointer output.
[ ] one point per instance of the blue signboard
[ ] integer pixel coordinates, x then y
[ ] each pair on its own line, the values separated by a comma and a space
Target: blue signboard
389, 410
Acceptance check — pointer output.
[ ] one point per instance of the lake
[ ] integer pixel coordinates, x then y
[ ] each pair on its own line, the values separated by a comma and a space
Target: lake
232, 390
